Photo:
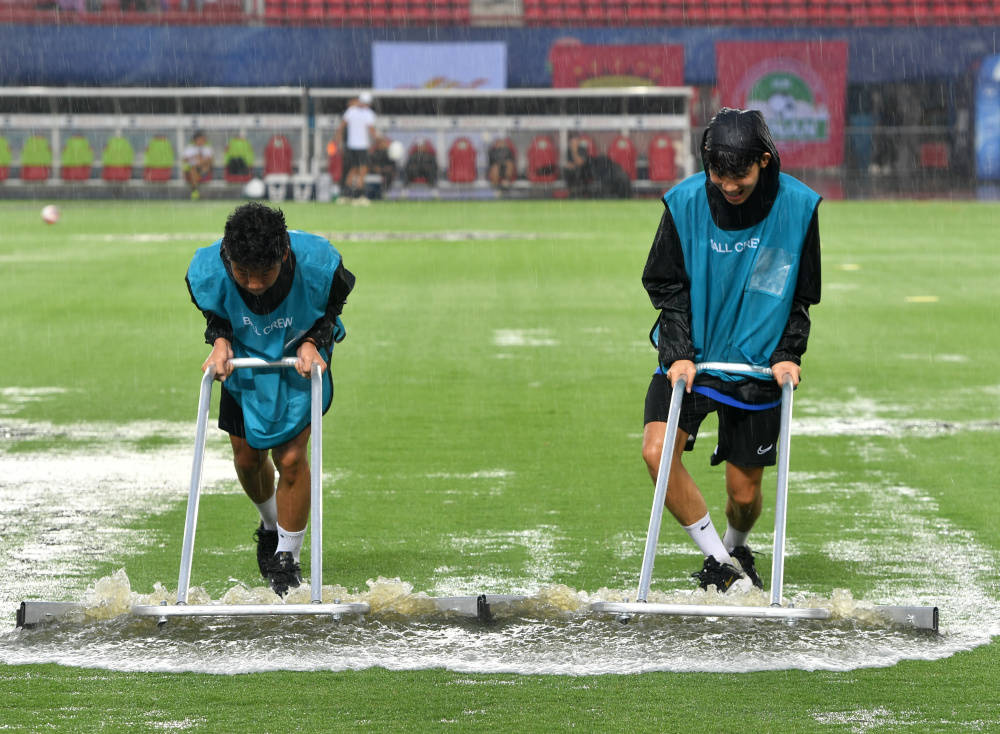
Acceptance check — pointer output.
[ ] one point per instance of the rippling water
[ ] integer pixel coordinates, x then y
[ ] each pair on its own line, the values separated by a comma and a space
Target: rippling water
550, 632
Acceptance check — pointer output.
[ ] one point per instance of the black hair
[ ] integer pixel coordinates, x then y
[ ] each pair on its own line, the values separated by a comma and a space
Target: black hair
734, 140
255, 236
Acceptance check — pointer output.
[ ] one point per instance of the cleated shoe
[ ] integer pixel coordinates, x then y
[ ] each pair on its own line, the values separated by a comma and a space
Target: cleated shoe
744, 556
719, 575
267, 546
283, 573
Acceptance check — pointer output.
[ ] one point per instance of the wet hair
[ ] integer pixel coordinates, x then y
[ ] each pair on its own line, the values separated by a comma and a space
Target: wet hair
255, 236
734, 140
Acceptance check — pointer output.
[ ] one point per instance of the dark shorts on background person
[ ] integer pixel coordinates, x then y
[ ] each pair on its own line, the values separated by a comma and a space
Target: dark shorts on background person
355, 158
746, 437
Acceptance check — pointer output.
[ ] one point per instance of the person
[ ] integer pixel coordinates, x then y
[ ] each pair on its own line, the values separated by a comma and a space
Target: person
359, 123
381, 164
270, 292
197, 161
421, 166
577, 171
502, 169
733, 269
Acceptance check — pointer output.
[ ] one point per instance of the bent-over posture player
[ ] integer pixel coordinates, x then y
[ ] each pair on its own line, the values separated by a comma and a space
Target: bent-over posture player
271, 293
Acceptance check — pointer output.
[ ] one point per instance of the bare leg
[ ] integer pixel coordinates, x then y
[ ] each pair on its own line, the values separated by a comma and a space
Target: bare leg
254, 470
684, 499
294, 482
743, 487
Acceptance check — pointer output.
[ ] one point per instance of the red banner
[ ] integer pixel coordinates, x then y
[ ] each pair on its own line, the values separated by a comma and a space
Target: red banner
578, 65
799, 87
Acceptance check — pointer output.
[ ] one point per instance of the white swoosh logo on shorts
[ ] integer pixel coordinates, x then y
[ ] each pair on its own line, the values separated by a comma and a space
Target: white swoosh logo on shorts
761, 450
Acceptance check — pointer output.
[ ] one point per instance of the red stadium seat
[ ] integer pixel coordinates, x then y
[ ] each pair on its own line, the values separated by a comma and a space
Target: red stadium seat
462, 161
622, 152
278, 155
35, 173
116, 173
543, 160
662, 160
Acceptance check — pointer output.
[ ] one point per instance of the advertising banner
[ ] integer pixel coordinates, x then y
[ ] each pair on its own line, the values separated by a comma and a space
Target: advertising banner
799, 87
581, 65
439, 65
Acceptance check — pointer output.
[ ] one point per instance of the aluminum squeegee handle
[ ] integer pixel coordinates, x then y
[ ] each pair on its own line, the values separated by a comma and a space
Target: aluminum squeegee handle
316, 487
257, 362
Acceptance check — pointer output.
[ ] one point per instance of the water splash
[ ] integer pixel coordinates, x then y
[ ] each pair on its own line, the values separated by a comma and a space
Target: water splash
551, 631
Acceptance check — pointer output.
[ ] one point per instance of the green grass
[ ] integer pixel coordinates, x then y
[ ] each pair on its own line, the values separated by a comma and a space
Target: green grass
421, 391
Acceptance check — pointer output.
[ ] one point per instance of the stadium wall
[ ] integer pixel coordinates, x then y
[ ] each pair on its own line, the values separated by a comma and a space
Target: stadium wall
341, 57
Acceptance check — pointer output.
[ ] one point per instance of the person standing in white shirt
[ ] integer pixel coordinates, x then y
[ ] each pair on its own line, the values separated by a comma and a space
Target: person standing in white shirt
359, 122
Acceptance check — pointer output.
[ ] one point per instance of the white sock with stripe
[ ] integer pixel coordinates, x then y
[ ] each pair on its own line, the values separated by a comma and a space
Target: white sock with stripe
291, 542
706, 537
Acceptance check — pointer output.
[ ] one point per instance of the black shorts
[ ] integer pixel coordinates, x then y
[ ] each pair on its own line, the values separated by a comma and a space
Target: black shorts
354, 158
231, 414
746, 437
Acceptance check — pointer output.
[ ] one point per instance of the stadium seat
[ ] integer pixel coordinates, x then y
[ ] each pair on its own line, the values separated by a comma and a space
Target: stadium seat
278, 155
77, 159
335, 161
158, 161
543, 160
117, 160
423, 147
462, 161
662, 159
233, 172
36, 159
622, 152
5, 159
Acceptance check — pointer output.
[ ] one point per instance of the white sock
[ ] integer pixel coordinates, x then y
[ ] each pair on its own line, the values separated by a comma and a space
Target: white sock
706, 537
734, 537
291, 542
268, 513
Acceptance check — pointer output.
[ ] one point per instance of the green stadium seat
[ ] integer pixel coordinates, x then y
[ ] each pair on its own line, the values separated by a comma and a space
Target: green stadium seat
158, 162
77, 159
117, 160
36, 159
5, 159
238, 148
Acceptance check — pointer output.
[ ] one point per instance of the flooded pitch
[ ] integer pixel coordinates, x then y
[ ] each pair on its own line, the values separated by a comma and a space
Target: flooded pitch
551, 632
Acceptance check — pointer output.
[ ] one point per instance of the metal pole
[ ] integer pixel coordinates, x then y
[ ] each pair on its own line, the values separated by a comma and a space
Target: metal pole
660, 492
781, 498
316, 487
194, 493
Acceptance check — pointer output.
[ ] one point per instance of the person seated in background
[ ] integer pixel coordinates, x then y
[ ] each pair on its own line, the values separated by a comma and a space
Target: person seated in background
502, 169
422, 165
196, 161
577, 172
381, 164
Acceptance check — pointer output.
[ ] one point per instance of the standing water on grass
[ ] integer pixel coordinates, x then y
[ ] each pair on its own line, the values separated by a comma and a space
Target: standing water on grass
549, 632
50, 545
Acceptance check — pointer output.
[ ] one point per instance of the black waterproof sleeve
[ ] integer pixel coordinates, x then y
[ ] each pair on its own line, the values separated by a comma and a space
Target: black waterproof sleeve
666, 281
793, 341
216, 326
322, 332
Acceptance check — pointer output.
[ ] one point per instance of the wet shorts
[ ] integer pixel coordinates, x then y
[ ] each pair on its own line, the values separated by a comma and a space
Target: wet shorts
230, 414
746, 437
